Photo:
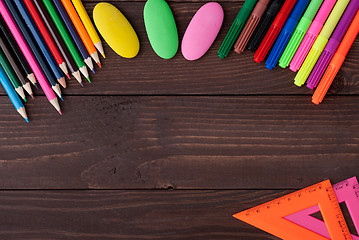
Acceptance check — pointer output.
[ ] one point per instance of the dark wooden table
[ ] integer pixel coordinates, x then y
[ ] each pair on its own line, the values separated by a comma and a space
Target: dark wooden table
170, 149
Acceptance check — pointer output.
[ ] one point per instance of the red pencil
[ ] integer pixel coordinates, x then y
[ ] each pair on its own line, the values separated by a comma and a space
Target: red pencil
45, 33
274, 30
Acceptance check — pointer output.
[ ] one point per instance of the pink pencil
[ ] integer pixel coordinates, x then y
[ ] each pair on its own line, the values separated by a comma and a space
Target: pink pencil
29, 56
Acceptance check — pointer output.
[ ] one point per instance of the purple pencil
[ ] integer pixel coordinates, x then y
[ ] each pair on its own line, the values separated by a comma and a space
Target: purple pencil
332, 44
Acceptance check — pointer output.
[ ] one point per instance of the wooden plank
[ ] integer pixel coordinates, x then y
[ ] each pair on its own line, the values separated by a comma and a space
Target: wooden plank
257, 142
148, 74
90, 215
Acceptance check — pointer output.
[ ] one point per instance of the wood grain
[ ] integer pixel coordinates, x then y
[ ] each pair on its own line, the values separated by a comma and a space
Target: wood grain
210, 75
105, 215
105, 142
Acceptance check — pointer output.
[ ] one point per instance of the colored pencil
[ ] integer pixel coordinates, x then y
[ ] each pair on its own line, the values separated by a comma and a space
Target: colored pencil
40, 42
337, 61
81, 30
65, 36
75, 37
88, 25
59, 42
12, 95
6, 34
11, 75
9, 55
23, 29
29, 56
46, 36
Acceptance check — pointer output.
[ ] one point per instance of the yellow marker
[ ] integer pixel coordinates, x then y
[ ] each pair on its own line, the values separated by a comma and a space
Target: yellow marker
116, 30
321, 42
88, 25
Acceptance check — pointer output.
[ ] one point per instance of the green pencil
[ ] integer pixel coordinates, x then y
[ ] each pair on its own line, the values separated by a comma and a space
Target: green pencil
65, 36
11, 75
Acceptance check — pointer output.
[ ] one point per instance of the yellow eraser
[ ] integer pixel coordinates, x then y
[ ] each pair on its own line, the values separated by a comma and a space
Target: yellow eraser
116, 30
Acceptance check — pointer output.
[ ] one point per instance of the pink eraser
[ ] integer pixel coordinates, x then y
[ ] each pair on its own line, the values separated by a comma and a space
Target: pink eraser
202, 31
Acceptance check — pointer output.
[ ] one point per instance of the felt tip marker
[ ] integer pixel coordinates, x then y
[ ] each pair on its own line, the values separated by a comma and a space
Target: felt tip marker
332, 44
274, 30
299, 32
320, 43
236, 28
311, 35
337, 61
286, 33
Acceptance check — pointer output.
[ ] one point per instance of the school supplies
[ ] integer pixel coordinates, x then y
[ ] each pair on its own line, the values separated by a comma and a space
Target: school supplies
12, 95
250, 26
8, 54
11, 75
264, 24
236, 28
311, 35
41, 44
270, 216
161, 28
41, 11
332, 44
39, 57
320, 43
88, 25
346, 191
286, 33
46, 36
121, 38
202, 31
29, 56
299, 33
81, 31
274, 30
336, 61
75, 37
66, 37
6, 34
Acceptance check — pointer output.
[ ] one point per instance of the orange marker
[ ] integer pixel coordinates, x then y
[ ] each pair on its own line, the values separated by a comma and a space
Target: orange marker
337, 61
270, 216
81, 30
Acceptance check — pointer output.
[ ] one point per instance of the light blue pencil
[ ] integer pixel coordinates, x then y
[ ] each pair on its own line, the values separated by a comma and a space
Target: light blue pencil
5, 82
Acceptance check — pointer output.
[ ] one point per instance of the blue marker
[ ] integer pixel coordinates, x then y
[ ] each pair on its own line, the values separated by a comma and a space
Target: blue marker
40, 41
5, 82
74, 35
286, 33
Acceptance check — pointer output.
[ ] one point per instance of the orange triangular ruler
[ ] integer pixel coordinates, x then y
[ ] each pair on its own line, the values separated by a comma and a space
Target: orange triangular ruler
270, 216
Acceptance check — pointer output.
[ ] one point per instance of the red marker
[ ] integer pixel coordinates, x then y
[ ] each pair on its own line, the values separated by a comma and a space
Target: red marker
274, 30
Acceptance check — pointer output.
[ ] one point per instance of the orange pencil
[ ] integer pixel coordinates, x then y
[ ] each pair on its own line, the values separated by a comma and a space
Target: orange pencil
337, 61
81, 30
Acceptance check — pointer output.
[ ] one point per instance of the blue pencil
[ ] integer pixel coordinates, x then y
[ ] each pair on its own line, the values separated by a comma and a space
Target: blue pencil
38, 55
40, 42
70, 27
5, 82
286, 33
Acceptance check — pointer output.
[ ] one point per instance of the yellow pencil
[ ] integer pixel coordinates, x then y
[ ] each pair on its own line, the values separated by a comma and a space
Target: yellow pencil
88, 25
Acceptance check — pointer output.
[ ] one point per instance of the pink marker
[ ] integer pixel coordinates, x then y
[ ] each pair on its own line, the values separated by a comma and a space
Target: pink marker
311, 35
29, 56
346, 191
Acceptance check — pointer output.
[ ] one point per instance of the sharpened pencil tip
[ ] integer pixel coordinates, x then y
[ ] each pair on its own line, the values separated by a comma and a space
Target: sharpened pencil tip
27, 120
32, 96
99, 64
60, 112
35, 84
88, 79
24, 99
93, 70
61, 98
68, 76
81, 84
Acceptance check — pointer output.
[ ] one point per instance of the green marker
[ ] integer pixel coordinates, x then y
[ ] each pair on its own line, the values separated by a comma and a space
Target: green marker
11, 75
299, 33
66, 37
236, 28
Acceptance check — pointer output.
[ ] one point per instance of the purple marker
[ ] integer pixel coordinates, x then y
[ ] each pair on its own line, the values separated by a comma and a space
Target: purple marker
332, 44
